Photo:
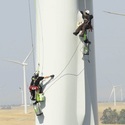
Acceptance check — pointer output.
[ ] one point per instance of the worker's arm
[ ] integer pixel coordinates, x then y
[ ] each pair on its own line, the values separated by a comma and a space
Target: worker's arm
52, 76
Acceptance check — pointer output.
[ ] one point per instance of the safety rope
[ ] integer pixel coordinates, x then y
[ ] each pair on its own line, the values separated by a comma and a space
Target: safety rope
57, 78
41, 26
67, 74
68, 61
32, 42
31, 31
85, 4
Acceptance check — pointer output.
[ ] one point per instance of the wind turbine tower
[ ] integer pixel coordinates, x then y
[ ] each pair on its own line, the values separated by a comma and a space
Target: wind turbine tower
71, 97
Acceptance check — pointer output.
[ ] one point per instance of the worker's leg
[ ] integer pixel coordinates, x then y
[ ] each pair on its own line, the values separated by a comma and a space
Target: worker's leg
83, 30
78, 29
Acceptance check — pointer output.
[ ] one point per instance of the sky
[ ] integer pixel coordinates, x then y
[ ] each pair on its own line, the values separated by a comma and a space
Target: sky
109, 47
16, 42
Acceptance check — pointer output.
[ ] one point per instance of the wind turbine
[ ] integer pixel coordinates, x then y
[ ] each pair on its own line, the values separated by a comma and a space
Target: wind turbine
114, 93
24, 64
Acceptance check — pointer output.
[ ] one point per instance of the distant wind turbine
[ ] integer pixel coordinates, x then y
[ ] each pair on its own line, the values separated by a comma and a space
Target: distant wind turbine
113, 92
24, 64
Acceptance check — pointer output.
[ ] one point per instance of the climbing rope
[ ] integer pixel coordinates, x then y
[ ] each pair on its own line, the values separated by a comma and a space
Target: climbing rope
68, 61
31, 31
42, 40
67, 74
59, 75
85, 4
32, 41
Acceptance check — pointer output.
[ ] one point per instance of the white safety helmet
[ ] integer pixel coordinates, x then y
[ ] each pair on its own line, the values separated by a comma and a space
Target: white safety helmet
87, 12
36, 74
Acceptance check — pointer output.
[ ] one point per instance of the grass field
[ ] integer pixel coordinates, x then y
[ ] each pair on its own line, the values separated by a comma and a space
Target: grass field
16, 116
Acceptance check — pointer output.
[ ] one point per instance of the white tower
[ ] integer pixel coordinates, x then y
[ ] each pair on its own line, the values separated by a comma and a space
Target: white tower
71, 96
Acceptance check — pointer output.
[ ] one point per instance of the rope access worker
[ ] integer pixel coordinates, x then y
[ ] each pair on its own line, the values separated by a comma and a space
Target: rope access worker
86, 23
35, 84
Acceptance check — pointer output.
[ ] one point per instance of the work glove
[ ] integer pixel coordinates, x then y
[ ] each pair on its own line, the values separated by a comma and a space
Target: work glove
52, 76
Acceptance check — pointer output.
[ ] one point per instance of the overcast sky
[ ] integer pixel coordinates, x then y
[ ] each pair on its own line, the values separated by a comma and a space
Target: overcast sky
16, 43
109, 46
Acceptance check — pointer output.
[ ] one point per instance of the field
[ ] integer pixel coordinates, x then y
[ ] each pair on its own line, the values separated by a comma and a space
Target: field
16, 116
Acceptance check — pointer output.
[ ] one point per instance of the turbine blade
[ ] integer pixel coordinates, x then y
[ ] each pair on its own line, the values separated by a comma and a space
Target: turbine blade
28, 56
114, 13
13, 61
111, 93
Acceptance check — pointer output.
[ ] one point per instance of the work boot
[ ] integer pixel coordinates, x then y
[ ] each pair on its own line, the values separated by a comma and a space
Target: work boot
32, 98
87, 41
75, 33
